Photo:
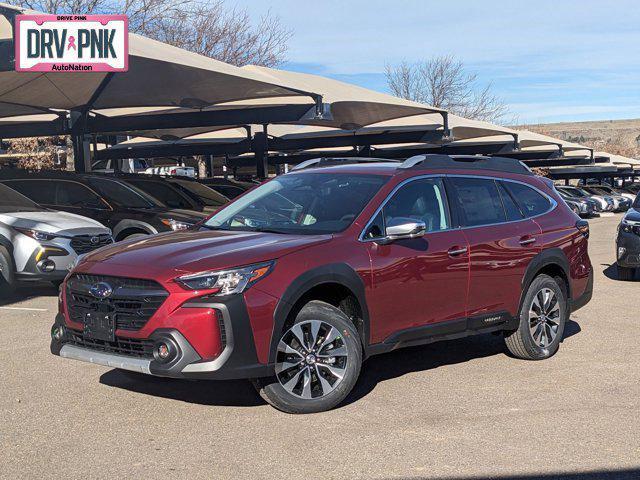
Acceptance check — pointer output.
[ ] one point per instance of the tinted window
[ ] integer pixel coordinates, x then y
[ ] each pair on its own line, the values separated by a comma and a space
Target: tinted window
478, 201
228, 190
40, 191
163, 192
120, 194
204, 194
422, 199
531, 202
376, 228
510, 208
301, 203
12, 201
72, 194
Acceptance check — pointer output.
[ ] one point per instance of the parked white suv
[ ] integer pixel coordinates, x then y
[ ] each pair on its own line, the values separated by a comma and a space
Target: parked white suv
41, 244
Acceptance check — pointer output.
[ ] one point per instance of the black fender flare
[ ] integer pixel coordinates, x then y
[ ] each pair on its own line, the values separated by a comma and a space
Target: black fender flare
552, 256
340, 273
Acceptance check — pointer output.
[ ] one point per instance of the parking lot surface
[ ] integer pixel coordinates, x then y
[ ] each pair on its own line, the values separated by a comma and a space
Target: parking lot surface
459, 409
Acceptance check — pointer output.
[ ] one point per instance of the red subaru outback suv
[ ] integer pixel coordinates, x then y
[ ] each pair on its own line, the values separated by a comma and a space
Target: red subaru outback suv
296, 282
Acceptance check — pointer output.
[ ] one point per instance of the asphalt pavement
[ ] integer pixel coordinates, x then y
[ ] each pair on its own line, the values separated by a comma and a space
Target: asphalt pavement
458, 409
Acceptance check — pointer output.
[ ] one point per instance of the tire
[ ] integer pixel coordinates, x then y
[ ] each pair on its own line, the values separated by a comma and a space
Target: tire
543, 315
7, 273
135, 235
310, 377
626, 273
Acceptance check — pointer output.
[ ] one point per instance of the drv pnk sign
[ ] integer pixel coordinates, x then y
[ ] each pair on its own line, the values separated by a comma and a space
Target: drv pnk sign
72, 43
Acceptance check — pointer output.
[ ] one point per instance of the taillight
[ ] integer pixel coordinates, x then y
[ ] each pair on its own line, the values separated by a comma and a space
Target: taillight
583, 227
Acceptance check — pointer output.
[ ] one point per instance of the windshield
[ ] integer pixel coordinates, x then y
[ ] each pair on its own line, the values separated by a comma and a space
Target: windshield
12, 201
301, 203
122, 195
209, 197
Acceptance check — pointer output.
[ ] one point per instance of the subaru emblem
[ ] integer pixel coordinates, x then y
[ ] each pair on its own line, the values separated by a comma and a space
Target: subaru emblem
101, 290
95, 240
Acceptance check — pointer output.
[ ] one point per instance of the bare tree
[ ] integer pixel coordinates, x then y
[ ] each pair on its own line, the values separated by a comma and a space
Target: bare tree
209, 28
443, 82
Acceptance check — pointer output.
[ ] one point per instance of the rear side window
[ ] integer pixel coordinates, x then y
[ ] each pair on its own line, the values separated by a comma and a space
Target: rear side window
72, 194
511, 209
531, 202
40, 191
479, 202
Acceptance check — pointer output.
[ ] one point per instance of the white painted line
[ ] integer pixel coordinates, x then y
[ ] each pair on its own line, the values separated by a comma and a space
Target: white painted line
25, 309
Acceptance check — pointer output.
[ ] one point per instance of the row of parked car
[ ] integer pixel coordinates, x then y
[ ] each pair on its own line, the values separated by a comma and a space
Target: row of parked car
47, 219
590, 200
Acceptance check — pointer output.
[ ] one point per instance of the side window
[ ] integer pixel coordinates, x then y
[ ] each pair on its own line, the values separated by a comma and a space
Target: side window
478, 200
40, 191
72, 194
510, 208
422, 199
531, 202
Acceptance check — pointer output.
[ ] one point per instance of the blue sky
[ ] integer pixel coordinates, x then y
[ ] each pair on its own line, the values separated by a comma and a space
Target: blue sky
550, 61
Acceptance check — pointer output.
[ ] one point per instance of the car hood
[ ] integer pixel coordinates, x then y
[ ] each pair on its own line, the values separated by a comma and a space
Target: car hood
51, 221
632, 215
169, 254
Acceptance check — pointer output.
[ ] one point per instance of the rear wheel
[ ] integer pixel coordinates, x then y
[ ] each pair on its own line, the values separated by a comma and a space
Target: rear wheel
317, 362
543, 316
7, 273
626, 273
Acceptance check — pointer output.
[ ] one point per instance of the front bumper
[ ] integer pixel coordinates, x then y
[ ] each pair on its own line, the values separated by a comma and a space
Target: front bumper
628, 248
237, 360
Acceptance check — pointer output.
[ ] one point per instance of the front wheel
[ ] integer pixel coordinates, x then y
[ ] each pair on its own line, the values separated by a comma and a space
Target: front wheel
543, 316
318, 361
7, 273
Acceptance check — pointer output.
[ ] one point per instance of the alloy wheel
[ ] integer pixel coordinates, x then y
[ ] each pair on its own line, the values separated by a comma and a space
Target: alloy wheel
311, 359
544, 317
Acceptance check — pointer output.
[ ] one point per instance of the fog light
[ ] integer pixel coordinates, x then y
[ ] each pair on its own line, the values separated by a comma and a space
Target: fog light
621, 252
46, 266
163, 351
57, 332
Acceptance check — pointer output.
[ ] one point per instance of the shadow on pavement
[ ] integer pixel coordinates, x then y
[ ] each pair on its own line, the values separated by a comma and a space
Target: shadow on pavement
27, 292
428, 357
611, 272
227, 393
240, 393
627, 474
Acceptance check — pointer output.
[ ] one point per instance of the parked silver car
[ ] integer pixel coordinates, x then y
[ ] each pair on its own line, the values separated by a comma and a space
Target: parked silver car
41, 244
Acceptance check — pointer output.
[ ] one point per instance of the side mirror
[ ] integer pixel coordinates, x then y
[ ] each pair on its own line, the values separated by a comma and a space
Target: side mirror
402, 228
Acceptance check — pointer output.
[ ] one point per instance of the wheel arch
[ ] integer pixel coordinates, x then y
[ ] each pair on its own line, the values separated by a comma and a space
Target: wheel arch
337, 284
552, 262
131, 225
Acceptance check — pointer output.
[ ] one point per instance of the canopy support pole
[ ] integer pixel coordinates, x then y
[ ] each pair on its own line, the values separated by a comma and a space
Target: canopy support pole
81, 141
446, 134
8, 63
260, 149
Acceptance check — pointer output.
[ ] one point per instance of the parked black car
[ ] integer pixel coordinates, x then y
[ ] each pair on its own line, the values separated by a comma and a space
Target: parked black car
229, 188
210, 199
126, 210
160, 189
628, 243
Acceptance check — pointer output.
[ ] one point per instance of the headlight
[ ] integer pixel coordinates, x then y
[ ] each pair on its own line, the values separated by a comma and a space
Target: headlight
226, 282
36, 234
626, 226
176, 224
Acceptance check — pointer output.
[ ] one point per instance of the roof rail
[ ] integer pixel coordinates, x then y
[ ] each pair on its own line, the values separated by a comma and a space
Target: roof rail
332, 161
464, 162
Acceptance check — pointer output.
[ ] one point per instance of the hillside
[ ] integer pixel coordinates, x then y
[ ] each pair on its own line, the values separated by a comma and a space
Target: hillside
621, 137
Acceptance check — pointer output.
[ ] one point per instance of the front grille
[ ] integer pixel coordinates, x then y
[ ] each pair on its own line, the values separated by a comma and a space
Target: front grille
132, 347
132, 301
86, 243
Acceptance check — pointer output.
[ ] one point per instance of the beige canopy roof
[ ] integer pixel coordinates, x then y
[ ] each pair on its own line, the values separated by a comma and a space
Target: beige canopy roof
159, 75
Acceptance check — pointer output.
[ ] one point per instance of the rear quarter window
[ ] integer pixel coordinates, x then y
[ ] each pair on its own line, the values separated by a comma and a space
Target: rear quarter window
531, 201
478, 201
